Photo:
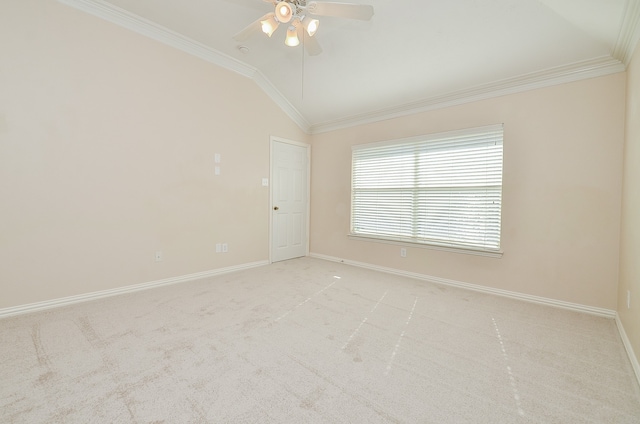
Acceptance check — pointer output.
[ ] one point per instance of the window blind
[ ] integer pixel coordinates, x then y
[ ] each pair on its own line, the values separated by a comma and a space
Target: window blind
443, 189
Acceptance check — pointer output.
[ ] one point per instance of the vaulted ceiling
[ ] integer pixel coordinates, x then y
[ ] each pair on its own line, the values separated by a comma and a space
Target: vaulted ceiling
412, 55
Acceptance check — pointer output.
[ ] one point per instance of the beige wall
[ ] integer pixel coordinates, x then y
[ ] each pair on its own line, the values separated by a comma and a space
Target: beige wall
630, 238
107, 143
561, 195
107, 140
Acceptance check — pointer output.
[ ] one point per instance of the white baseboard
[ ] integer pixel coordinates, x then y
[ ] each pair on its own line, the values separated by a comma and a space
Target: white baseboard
475, 287
607, 313
64, 301
627, 345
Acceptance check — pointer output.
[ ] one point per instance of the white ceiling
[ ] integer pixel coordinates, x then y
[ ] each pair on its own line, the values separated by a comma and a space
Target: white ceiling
413, 55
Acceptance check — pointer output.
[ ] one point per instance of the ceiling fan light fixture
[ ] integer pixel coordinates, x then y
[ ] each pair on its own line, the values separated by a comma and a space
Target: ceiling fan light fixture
310, 25
269, 25
295, 15
292, 37
284, 12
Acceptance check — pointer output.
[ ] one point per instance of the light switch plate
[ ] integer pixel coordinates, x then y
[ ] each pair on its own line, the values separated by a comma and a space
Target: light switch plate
265, 182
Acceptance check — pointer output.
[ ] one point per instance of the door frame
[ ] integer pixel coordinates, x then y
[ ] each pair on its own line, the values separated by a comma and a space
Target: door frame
272, 140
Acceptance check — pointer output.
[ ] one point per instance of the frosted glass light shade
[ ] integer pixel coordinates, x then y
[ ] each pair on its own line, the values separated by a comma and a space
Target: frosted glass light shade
292, 37
310, 25
284, 12
269, 25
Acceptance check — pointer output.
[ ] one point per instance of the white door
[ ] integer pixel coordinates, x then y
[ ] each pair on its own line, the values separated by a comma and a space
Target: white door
289, 200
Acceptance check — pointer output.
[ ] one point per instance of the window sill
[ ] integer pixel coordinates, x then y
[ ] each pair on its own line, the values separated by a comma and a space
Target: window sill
399, 242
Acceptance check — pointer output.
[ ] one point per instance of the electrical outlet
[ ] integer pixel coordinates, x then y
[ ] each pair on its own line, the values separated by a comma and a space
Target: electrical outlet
628, 299
225, 247
403, 252
218, 247
158, 256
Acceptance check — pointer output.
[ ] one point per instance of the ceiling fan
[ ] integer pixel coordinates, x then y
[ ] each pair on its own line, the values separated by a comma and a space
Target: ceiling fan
298, 15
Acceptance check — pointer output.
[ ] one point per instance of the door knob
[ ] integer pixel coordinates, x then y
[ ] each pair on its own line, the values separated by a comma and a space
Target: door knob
275, 208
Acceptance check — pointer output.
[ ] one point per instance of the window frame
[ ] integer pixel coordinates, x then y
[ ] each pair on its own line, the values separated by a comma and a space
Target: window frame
428, 243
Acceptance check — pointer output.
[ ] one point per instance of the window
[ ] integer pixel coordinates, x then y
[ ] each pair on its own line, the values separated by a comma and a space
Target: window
440, 189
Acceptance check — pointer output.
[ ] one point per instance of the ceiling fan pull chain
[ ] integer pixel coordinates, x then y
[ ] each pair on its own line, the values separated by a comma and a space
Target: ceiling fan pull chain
304, 42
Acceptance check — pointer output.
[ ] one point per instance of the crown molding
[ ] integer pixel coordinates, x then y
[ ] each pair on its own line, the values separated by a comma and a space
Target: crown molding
142, 26
628, 38
275, 95
629, 32
559, 75
130, 21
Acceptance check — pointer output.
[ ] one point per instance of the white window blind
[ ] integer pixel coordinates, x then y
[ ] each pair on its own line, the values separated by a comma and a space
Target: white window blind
443, 189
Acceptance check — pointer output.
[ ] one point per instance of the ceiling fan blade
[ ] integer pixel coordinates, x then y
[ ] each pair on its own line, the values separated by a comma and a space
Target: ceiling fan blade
312, 46
363, 12
251, 29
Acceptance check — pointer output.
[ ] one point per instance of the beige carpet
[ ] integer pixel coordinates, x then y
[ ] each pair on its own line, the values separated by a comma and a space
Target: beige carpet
309, 341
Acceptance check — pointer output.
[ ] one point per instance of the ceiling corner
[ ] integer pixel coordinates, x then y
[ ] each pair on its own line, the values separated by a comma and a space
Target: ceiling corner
281, 101
629, 32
